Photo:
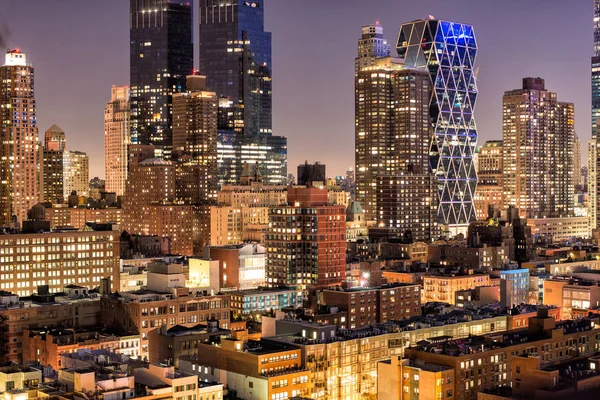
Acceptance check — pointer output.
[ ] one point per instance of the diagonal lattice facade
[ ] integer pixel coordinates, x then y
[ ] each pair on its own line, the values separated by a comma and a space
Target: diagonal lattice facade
448, 51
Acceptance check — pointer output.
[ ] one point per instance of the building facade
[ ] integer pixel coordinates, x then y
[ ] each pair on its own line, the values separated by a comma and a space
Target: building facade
539, 181
117, 136
448, 50
19, 155
306, 241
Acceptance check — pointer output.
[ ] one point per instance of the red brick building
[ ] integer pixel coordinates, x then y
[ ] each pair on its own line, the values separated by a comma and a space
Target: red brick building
306, 241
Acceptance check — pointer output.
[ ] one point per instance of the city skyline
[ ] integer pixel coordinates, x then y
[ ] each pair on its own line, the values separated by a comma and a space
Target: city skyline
101, 49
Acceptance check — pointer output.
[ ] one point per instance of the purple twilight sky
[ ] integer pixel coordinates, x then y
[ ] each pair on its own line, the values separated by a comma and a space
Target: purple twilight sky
81, 47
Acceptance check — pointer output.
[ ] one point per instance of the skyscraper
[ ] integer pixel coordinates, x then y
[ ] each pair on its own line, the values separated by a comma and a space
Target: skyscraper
538, 135
371, 45
235, 57
19, 154
161, 56
195, 133
117, 136
392, 139
594, 160
55, 139
55, 144
76, 173
448, 51
489, 190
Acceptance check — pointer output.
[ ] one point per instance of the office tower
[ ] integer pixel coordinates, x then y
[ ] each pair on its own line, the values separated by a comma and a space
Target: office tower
448, 51
576, 161
19, 154
76, 173
306, 241
161, 56
117, 133
489, 192
593, 159
371, 45
235, 56
195, 133
54, 139
538, 135
308, 173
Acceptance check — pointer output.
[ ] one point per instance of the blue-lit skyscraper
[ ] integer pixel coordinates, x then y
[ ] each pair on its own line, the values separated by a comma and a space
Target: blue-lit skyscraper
448, 51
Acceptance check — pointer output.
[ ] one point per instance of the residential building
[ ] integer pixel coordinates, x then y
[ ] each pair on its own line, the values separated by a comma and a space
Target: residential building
368, 306
165, 301
478, 297
17, 378
252, 369
573, 296
444, 287
514, 286
76, 173
559, 229
371, 46
309, 173
70, 308
241, 266
489, 190
431, 44
262, 300
20, 166
195, 133
306, 243
117, 136
168, 345
161, 56
164, 381
538, 182
484, 363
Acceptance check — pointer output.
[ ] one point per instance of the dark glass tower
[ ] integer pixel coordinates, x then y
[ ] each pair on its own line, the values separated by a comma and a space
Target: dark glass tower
448, 51
235, 56
161, 56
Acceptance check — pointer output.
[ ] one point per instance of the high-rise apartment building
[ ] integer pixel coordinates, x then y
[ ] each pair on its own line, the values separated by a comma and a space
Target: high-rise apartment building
235, 56
161, 56
117, 133
489, 191
195, 133
448, 51
538, 135
576, 160
306, 241
393, 135
55, 144
19, 155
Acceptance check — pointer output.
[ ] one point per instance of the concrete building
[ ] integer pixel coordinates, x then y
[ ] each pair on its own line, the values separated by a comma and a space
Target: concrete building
539, 182
477, 297
20, 166
76, 173
444, 287
514, 286
306, 243
251, 369
59, 258
309, 173
489, 192
164, 381
117, 136
262, 300
241, 266
18, 377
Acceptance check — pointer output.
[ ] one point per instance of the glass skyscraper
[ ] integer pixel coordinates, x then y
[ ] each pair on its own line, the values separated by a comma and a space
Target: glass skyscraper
593, 159
448, 51
161, 56
235, 56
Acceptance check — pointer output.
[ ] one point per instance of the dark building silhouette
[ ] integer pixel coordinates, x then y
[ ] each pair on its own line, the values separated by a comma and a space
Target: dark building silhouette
308, 173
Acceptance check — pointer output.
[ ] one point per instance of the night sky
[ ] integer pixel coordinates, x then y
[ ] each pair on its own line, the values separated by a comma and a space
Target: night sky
80, 48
